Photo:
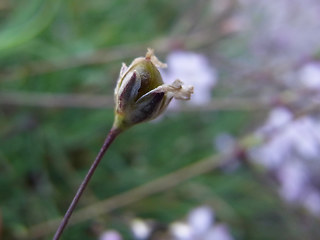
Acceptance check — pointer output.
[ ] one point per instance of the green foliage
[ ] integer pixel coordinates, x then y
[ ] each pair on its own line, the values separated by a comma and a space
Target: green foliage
44, 153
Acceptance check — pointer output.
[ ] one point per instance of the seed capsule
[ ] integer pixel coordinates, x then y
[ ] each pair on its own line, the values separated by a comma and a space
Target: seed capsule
141, 95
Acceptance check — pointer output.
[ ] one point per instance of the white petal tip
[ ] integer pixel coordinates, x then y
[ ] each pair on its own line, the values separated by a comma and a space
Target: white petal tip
150, 55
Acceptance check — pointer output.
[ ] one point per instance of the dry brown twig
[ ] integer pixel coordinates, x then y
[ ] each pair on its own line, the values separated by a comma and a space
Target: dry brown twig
49, 100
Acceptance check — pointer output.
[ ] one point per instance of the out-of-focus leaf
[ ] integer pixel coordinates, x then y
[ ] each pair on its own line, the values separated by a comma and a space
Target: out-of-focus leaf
32, 18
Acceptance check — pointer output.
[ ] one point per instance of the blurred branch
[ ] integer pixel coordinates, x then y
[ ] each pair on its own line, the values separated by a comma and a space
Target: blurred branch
163, 183
118, 53
159, 185
5, 5
50, 100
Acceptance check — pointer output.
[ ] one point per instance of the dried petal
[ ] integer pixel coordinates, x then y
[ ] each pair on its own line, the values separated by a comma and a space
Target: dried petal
147, 107
177, 90
128, 90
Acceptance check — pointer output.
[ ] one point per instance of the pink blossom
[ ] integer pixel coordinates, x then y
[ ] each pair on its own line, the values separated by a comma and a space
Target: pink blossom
291, 150
219, 232
110, 235
141, 229
293, 178
193, 69
309, 76
286, 31
200, 225
312, 202
200, 219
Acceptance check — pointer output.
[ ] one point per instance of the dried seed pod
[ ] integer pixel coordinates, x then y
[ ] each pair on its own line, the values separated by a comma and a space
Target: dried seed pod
141, 95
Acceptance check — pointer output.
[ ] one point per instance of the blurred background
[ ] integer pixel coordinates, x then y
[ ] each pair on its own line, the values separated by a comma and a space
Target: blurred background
240, 160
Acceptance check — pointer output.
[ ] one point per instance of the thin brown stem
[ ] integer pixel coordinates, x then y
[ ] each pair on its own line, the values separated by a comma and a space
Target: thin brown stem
109, 139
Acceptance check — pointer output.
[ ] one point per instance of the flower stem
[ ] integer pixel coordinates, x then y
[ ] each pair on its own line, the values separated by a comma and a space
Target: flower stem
107, 142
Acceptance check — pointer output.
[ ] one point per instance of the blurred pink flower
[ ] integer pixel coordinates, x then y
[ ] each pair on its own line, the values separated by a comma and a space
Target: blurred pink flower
200, 225
312, 202
274, 151
225, 143
110, 235
201, 219
309, 76
293, 177
286, 30
141, 229
218, 232
288, 138
181, 231
277, 118
291, 151
193, 69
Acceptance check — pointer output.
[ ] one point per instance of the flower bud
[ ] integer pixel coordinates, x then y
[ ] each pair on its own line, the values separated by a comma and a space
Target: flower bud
141, 95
